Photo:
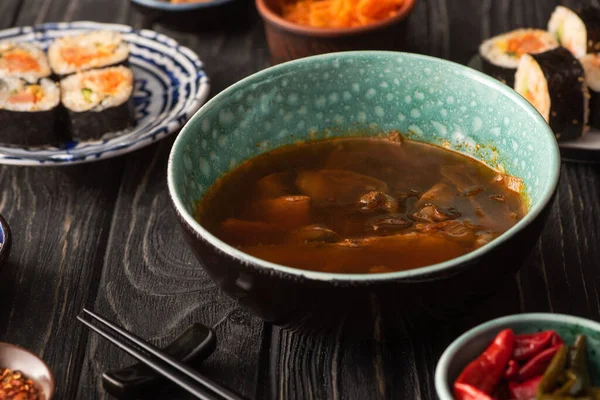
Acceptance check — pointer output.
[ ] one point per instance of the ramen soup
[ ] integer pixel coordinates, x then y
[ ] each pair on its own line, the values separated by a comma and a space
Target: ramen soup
361, 205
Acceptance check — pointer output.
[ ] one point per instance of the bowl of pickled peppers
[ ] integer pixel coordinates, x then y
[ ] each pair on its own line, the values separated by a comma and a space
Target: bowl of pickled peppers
523, 357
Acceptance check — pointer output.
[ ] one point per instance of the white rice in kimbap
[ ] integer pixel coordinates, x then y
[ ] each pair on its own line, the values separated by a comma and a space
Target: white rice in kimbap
501, 54
28, 111
96, 49
554, 83
98, 101
591, 65
577, 31
23, 60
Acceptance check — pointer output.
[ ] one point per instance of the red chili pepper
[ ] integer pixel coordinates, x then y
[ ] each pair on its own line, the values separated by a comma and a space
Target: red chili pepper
526, 390
485, 371
556, 340
538, 364
463, 391
527, 346
512, 371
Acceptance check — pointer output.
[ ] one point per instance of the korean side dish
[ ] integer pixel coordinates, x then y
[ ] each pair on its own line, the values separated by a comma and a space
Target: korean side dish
15, 386
536, 366
338, 13
361, 205
82, 87
557, 70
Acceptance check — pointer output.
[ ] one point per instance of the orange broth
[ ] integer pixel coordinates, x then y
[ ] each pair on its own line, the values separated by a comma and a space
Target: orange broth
361, 205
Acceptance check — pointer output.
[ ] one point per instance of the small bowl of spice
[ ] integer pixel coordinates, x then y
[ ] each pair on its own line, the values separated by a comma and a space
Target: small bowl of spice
302, 28
5, 240
523, 357
23, 375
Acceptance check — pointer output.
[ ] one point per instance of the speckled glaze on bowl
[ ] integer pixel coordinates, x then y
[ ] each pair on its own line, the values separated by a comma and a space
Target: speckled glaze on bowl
5, 240
19, 359
351, 94
472, 343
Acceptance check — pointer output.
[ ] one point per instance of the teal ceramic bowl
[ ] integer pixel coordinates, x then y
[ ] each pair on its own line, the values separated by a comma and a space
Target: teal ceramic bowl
357, 94
471, 344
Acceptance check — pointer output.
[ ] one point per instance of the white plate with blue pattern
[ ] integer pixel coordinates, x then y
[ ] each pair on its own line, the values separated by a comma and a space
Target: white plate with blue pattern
170, 86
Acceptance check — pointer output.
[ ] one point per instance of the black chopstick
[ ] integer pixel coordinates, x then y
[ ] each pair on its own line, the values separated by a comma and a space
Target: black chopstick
178, 373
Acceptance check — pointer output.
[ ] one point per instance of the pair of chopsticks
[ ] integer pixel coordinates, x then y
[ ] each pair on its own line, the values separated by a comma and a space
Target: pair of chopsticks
163, 364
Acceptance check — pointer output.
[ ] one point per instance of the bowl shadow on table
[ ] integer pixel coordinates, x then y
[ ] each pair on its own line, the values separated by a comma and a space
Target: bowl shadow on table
233, 15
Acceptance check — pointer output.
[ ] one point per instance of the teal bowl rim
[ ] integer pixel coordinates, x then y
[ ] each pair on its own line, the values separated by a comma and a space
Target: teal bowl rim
441, 371
423, 272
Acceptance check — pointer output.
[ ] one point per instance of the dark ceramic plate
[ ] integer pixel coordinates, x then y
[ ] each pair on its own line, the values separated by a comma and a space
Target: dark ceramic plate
5, 240
165, 5
583, 150
192, 17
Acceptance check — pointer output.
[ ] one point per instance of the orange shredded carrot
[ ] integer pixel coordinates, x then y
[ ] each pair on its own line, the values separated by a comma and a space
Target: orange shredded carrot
21, 61
339, 13
108, 81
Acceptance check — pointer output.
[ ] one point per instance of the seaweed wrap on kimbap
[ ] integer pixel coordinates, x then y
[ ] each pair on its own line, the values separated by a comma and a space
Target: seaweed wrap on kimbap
28, 111
501, 54
578, 31
98, 102
554, 83
23, 60
97, 49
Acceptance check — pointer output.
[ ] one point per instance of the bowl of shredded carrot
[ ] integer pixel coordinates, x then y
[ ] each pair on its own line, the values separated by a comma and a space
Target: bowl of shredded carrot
300, 28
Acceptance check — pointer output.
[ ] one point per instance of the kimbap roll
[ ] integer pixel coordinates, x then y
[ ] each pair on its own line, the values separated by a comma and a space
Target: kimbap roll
501, 54
28, 111
577, 31
554, 83
23, 60
591, 65
98, 49
98, 102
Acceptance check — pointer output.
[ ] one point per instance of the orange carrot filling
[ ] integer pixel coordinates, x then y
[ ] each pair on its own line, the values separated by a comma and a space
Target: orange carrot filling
527, 43
20, 61
108, 81
32, 94
339, 13
78, 56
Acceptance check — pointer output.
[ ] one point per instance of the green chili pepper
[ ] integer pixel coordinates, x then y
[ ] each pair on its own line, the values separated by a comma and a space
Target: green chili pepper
553, 372
578, 366
87, 94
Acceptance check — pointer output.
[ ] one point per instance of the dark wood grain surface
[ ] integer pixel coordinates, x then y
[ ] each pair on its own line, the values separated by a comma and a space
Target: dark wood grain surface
103, 235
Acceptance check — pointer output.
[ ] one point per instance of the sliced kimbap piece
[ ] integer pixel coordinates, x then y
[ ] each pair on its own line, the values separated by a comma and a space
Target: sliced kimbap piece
578, 31
28, 112
91, 50
554, 83
501, 54
98, 102
23, 60
591, 65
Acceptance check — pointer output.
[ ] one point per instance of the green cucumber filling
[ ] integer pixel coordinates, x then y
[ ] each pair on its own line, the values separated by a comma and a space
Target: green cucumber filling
559, 31
87, 94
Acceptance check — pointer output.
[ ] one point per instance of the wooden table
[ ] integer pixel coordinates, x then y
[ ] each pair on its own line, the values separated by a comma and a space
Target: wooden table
103, 235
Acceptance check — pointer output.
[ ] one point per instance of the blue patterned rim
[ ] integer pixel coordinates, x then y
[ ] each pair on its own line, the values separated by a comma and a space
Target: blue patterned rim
5, 240
170, 86
165, 5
